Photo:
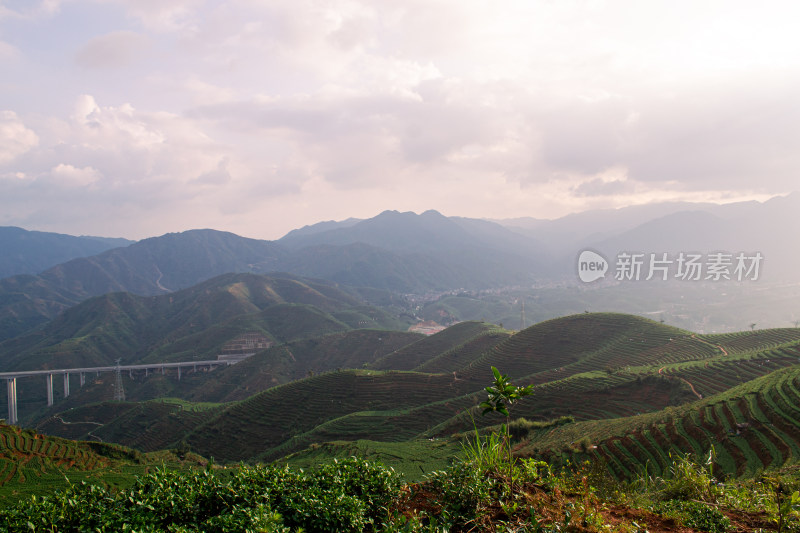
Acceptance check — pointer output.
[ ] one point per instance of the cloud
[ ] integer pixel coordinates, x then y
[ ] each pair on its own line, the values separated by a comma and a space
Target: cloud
316, 109
107, 157
600, 187
15, 138
218, 176
74, 176
116, 49
163, 15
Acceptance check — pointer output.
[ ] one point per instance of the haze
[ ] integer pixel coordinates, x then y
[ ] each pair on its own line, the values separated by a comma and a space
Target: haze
135, 118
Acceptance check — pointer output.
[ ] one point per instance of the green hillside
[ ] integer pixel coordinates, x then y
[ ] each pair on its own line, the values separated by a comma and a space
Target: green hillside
752, 427
426, 349
581, 343
604, 371
189, 324
296, 360
32, 463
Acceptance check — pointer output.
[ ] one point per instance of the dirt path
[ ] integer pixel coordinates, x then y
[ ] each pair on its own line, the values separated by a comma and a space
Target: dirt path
90, 433
699, 396
723, 350
75, 423
158, 281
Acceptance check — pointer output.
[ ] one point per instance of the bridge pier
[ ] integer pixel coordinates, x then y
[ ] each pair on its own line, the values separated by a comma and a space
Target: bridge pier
12, 400
49, 382
49, 375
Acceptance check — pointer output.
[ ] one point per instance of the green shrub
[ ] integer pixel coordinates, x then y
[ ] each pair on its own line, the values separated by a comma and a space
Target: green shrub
462, 491
370, 482
349, 495
258, 519
695, 514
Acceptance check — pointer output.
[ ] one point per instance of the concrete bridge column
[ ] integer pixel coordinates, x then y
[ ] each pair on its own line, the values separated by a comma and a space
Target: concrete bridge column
66, 384
83, 379
12, 400
49, 380
179, 373
162, 370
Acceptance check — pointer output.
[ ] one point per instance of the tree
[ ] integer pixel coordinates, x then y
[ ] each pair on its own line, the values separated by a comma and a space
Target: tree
502, 395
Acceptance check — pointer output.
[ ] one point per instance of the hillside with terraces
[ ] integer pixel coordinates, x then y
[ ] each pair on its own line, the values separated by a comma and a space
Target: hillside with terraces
635, 390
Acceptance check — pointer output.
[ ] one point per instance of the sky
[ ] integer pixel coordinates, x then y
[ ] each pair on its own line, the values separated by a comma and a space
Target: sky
134, 118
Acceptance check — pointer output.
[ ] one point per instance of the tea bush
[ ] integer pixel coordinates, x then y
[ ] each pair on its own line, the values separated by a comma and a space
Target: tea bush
349, 495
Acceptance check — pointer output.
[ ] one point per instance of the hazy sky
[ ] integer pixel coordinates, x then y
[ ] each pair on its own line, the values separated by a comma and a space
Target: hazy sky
134, 118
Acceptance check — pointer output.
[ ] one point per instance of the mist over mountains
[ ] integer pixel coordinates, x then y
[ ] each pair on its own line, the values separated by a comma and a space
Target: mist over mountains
402, 253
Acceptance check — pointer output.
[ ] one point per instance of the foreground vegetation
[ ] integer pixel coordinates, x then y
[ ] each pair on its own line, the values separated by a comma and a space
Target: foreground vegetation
485, 490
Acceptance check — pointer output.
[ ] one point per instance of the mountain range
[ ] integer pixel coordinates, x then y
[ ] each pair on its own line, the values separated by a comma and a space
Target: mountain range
30, 252
403, 253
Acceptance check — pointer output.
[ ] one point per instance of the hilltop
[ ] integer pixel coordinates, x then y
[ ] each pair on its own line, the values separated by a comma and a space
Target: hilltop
30, 252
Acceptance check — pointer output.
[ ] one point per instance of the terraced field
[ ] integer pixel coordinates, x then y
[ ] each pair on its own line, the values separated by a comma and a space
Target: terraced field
461, 355
428, 348
722, 373
752, 341
626, 380
32, 463
295, 360
601, 396
274, 416
582, 343
752, 427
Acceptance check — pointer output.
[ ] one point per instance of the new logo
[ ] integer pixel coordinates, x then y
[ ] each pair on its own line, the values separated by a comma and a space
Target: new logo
591, 266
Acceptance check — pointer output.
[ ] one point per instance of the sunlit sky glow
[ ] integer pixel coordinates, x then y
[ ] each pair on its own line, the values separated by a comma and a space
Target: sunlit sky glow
134, 118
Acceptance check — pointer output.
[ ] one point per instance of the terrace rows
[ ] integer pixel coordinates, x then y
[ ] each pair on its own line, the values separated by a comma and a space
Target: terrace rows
754, 427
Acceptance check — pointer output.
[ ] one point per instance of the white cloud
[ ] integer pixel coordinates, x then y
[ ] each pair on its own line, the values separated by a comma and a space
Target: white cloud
15, 138
74, 176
